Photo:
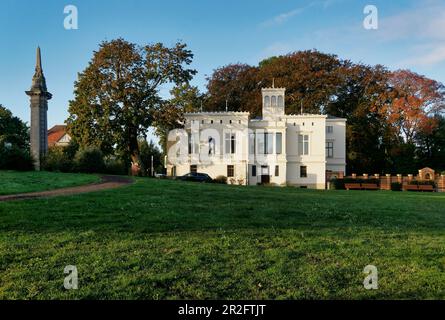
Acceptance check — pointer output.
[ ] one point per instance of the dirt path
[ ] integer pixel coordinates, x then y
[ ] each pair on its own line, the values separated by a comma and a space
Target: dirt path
108, 182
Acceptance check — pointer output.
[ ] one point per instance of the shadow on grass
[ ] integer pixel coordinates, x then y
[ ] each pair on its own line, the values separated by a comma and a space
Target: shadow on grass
151, 206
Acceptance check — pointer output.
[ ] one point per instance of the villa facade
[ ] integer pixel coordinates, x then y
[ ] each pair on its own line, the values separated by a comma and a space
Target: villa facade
280, 149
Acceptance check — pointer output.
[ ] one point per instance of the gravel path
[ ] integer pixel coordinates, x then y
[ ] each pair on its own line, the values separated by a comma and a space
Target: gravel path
108, 182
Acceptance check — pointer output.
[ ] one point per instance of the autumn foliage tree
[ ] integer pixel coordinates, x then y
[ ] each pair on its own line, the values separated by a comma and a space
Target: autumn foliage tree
115, 96
413, 102
385, 110
310, 78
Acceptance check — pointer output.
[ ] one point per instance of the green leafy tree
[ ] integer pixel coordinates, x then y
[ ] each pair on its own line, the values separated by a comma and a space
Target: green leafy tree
170, 114
431, 145
149, 150
115, 96
368, 136
13, 130
14, 143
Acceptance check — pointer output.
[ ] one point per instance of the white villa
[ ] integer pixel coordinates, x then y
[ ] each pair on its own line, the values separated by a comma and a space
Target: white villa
299, 150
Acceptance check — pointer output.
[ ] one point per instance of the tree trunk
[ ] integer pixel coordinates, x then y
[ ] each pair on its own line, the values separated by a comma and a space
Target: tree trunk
137, 166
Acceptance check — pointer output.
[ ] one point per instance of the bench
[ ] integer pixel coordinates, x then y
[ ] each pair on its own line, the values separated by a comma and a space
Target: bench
361, 186
353, 186
410, 187
370, 186
426, 187
414, 187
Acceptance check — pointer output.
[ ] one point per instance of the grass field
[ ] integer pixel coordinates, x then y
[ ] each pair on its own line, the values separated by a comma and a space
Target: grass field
159, 239
21, 182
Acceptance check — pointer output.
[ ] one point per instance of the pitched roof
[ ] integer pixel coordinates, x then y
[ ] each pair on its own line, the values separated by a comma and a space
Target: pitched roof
55, 134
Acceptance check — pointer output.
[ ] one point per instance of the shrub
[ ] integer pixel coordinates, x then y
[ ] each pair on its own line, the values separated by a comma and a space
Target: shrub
57, 159
396, 186
14, 158
115, 166
220, 179
89, 160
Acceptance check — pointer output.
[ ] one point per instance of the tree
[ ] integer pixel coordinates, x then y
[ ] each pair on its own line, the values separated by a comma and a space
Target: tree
115, 96
13, 130
317, 83
310, 78
415, 99
14, 143
149, 150
367, 140
170, 114
230, 85
385, 111
431, 145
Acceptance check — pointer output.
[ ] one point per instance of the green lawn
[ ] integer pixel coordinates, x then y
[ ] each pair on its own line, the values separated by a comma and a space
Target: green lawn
159, 239
20, 182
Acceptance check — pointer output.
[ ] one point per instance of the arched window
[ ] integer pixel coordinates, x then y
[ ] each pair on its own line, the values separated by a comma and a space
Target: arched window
427, 176
280, 101
267, 101
274, 101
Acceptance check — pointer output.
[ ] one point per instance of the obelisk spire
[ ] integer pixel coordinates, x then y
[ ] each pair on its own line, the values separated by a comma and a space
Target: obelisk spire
39, 61
38, 80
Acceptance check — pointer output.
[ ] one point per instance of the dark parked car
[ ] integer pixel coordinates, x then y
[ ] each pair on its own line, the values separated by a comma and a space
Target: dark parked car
195, 177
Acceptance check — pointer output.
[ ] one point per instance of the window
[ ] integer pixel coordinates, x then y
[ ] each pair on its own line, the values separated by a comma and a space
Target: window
211, 146
190, 144
252, 143
233, 143
211, 121
267, 101
260, 141
230, 143
220, 121
253, 171
194, 168
173, 171
193, 147
277, 171
303, 172
303, 144
280, 101
268, 143
274, 101
230, 171
329, 129
279, 142
329, 149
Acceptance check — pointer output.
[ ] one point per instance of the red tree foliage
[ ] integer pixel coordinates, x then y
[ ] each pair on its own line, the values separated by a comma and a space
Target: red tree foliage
413, 101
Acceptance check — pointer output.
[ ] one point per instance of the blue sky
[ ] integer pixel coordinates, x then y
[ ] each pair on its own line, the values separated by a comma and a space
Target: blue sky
410, 35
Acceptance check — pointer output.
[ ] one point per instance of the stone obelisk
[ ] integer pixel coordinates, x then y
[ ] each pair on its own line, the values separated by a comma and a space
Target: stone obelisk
39, 97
